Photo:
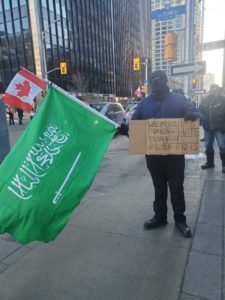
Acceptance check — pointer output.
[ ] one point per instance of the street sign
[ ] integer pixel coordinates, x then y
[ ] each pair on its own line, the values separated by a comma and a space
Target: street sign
199, 91
214, 45
192, 68
170, 12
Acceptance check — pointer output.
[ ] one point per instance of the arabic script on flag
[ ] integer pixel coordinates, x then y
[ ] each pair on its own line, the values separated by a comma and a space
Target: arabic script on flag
52, 166
37, 162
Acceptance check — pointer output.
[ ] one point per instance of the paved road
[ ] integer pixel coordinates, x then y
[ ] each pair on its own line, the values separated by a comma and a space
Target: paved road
104, 253
16, 130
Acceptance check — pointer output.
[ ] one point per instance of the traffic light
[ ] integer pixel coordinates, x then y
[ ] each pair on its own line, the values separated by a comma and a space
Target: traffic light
63, 68
170, 47
136, 64
194, 83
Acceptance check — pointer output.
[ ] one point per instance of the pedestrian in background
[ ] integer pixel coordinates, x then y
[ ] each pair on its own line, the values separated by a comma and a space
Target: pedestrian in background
212, 111
32, 114
10, 112
20, 115
166, 170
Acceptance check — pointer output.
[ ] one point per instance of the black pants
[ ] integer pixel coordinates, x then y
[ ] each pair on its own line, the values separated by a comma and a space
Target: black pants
21, 120
11, 119
168, 171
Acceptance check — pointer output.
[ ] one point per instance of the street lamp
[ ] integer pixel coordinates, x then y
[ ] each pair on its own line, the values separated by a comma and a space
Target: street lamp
113, 49
43, 50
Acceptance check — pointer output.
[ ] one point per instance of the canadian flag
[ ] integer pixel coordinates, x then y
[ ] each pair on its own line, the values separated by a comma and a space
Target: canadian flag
22, 90
138, 92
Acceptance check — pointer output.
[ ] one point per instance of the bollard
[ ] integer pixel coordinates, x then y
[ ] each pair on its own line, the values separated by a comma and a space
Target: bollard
4, 134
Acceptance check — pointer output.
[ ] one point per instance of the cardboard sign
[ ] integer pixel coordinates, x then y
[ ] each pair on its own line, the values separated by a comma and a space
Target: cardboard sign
163, 137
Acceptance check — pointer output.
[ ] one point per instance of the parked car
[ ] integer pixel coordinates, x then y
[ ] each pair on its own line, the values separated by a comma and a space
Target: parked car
130, 105
112, 110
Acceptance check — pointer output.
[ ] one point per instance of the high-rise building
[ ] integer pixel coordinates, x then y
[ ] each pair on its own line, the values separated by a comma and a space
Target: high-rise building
16, 47
184, 18
97, 39
159, 30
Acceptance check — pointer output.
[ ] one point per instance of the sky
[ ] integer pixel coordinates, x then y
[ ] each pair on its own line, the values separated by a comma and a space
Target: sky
214, 29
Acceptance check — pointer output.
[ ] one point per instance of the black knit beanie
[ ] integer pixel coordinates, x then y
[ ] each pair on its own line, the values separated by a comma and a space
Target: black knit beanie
158, 73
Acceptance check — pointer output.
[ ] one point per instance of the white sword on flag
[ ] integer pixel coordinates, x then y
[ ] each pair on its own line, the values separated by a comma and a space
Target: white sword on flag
58, 193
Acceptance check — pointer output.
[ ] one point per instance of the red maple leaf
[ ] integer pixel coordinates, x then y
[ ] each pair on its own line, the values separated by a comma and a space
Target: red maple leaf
23, 88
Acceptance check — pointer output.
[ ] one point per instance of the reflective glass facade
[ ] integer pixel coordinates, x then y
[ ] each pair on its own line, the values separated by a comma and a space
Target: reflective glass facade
15, 40
82, 37
97, 38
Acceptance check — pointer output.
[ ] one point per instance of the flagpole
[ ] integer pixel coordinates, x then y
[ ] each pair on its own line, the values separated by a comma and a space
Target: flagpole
43, 47
44, 55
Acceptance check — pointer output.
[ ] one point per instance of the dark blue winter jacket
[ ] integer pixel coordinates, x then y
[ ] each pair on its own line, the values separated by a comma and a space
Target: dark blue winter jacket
173, 106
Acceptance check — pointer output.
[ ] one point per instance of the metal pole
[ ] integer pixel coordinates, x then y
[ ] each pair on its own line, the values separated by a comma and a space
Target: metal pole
4, 134
170, 74
55, 69
44, 55
223, 81
223, 75
113, 44
187, 45
191, 32
146, 75
43, 48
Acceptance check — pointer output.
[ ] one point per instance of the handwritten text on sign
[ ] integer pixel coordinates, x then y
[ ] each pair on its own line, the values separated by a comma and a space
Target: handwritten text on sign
172, 136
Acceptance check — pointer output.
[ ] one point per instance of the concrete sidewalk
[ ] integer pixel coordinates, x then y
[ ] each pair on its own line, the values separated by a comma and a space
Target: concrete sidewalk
104, 253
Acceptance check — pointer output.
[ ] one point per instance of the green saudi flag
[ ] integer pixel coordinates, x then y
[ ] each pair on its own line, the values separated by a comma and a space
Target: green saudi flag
51, 167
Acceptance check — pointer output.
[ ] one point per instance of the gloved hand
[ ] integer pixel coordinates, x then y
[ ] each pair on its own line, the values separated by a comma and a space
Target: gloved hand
124, 129
191, 116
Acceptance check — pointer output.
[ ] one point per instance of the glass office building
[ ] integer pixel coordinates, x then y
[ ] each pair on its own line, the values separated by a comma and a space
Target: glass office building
16, 48
188, 28
96, 38
79, 33
159, 30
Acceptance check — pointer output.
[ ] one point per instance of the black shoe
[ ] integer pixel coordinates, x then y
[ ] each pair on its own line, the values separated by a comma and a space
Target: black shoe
202, 140
207, 166
184, 229
153, 223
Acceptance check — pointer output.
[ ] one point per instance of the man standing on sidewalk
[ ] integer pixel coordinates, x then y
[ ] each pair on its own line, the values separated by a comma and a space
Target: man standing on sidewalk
10, 112
167, 170
20, 115
212, 111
